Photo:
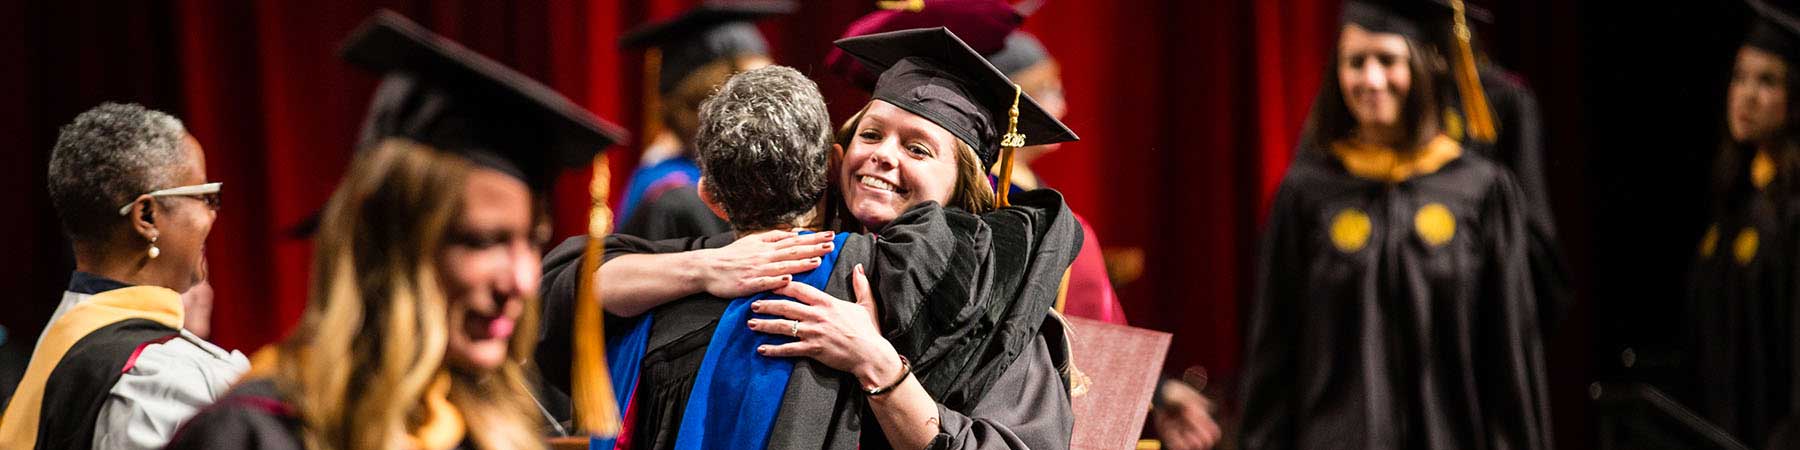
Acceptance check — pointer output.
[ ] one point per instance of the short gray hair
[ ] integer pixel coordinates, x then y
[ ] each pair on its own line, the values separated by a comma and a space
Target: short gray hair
105, 158
762, 147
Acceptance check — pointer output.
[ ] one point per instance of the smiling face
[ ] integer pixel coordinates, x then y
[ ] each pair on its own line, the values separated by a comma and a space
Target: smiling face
1374, 71
895, 160
488, 266
1757, 103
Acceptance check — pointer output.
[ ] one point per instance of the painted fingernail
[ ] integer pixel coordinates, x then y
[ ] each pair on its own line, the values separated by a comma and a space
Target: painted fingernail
762, 349
859, 270
756, 306
829, 234
816, 260
787, 278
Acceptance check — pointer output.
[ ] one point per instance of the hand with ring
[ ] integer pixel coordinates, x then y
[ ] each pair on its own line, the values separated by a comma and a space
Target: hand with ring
842, 335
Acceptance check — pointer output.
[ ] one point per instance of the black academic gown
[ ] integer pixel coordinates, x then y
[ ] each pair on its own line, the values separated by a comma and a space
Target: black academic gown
1741, 302
254, 416
1520, 148
679, 334
965, 297
675, 213
1394, 316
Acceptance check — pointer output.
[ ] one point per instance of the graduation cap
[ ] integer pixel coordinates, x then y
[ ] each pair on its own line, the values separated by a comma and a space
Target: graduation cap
932, 73
439, 93
707, 33
983, 25
1431, 22
1775, 30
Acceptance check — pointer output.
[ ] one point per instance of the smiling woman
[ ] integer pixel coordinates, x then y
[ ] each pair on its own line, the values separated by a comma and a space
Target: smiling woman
1386, 233
422, 308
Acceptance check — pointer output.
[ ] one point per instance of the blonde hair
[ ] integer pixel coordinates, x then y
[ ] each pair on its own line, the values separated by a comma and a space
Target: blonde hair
972, 193
374, 333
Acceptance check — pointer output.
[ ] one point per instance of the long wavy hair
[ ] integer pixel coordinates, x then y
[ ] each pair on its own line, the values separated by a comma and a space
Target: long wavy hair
374, 333
973, 193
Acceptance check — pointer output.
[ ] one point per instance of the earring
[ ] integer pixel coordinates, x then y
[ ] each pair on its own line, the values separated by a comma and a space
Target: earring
154, 252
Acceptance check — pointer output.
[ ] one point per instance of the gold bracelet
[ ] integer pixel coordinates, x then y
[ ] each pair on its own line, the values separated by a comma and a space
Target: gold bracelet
905, 371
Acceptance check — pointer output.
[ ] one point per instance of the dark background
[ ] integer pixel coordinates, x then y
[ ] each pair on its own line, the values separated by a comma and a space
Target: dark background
1187, 109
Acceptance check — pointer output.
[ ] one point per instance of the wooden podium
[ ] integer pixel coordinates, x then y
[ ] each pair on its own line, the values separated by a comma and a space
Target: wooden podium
1122, 365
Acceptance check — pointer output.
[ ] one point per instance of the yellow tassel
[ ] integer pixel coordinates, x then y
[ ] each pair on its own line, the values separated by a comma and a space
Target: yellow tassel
1008, 143
901, 5
595, 411
1468, 82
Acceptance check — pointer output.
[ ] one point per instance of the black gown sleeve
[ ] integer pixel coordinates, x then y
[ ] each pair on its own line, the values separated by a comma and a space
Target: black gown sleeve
1028, 407
676, 213
1267, 394
1521, 149
1513, 383
249, 418
561, 279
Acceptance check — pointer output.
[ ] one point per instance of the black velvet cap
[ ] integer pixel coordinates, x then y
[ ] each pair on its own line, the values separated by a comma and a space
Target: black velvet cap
439, 93
1420, 20
707, 33
932, 73
1775, 30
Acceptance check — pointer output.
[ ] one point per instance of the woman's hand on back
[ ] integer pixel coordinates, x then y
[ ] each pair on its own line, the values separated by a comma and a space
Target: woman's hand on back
760, 262
842, 335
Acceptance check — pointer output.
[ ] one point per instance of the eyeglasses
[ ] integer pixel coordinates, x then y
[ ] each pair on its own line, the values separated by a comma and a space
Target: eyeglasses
208, 193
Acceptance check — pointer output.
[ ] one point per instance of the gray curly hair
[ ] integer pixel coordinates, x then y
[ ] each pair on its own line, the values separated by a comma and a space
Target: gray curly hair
106, 157
762, 147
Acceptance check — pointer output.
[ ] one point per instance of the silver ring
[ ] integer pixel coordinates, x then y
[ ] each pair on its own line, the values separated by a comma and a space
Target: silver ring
795, 330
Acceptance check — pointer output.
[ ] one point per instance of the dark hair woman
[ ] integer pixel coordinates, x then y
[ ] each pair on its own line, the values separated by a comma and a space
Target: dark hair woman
1741, 291
1393, 308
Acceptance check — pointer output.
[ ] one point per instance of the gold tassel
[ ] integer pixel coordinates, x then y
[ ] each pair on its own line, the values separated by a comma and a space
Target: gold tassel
595, 411
1468, 81
1008, 143
901, 5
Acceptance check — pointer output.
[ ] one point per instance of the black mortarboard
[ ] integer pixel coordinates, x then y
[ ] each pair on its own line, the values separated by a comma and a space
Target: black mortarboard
704, 34
439, 93
1775, 30
1022, 51
932, 73
1422, 20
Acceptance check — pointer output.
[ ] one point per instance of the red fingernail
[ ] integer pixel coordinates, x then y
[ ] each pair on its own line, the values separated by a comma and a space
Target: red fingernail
762, 349
859, 270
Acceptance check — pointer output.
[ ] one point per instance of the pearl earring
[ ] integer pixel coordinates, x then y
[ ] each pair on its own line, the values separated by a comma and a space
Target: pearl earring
154, 252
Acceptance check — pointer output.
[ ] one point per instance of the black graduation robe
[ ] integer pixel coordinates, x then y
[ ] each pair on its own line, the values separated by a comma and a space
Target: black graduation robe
1394, 314
675, 213
254, 416
1740, 299
1520, 149
965, 297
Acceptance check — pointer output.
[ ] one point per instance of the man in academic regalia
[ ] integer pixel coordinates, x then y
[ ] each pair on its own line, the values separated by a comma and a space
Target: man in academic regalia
115, 368
694, 53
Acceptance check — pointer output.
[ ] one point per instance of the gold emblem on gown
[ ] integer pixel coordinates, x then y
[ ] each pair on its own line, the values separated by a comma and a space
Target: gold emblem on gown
1762, 170
1709, 242
1350, 230
1434, 224
1744, 247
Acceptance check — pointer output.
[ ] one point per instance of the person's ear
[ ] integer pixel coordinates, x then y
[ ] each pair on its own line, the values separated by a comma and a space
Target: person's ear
707, 198
142, 216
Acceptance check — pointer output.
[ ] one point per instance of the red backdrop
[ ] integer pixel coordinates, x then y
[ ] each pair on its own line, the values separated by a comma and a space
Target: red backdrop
1187, 109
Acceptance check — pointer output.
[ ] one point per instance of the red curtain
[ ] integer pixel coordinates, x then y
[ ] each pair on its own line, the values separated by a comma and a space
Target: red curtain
1187, 111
